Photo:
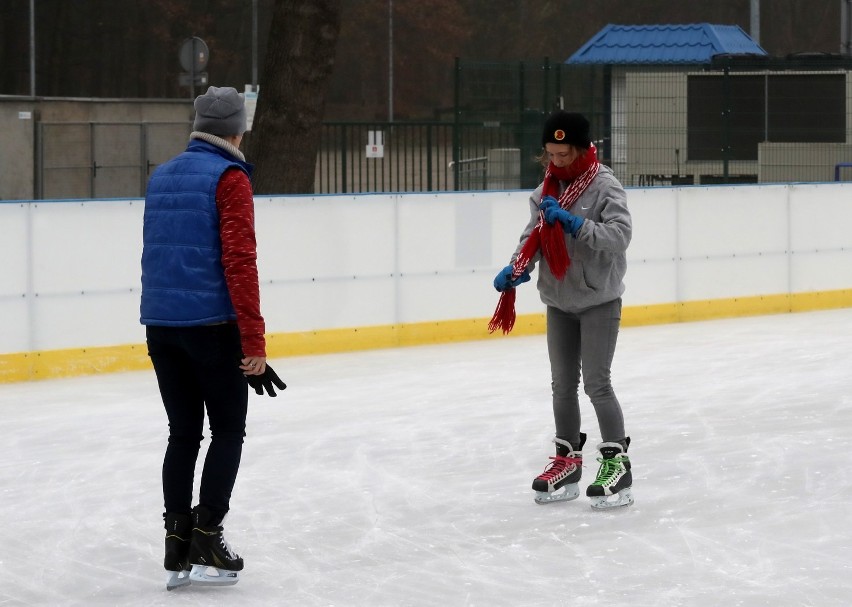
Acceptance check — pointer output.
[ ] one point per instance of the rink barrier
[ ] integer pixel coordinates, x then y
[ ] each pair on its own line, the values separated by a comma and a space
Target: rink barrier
357, 272
29, 366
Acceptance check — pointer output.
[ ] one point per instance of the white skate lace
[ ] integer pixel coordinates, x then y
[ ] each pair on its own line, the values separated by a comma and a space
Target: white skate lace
233, 555
559, 465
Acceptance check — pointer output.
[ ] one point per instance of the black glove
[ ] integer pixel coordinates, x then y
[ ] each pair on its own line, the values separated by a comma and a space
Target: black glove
269, 377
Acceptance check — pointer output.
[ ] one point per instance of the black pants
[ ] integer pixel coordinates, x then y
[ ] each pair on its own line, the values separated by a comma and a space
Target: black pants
197, 368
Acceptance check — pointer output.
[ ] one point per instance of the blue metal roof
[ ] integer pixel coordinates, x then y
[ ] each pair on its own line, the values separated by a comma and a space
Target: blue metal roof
664, 44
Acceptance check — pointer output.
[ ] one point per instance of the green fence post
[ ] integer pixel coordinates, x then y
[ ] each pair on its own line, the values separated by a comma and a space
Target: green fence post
530, 144
343, 157
428, 157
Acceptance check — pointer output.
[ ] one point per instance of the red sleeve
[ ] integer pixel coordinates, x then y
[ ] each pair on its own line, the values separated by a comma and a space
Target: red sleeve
235, 202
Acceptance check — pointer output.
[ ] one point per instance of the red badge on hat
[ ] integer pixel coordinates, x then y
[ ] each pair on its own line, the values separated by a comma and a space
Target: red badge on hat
559, 135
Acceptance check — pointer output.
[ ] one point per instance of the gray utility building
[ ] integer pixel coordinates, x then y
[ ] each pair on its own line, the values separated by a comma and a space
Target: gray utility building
704, 103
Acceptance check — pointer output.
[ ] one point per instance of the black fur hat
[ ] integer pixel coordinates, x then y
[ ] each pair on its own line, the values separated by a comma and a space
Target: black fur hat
566, 127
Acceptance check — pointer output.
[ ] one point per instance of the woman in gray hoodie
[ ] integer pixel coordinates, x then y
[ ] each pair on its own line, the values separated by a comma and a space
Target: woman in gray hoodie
578, 234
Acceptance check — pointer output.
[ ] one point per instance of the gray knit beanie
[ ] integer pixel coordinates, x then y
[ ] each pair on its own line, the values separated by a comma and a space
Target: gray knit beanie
220, 111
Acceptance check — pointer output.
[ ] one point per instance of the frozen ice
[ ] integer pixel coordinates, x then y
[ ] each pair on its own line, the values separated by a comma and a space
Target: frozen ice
402, 477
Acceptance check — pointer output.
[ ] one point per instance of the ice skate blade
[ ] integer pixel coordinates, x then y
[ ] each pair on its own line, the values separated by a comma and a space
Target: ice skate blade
567, 493
622, 498
211, 576
176, 579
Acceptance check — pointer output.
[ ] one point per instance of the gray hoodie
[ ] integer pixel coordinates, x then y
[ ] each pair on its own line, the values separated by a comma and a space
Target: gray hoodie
598, 252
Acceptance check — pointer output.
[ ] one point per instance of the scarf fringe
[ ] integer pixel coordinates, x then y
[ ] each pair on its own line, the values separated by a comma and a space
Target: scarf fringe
504, 315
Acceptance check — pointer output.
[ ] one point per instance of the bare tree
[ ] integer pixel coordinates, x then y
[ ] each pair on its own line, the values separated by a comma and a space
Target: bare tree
298, 64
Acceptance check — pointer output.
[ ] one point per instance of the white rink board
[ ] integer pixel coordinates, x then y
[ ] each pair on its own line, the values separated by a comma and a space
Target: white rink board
820, 242
427, 242
821, 270
86, 246
652, 268
323, 237
820, 216
732, 220
297, 306
742, 276
14, 247
329, 262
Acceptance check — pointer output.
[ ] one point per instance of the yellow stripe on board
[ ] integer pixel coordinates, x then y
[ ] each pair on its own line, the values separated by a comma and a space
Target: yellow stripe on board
51, 364
28, 366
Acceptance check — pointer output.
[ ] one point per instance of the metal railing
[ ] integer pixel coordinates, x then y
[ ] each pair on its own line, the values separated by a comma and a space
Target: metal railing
412, 157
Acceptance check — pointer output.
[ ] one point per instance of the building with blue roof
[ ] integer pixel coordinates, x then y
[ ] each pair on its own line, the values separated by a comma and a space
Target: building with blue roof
695, 43
704, 103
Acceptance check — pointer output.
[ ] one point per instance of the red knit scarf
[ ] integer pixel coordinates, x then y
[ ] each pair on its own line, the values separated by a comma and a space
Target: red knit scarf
550, 238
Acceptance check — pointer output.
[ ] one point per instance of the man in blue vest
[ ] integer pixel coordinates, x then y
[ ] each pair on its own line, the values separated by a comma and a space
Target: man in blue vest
205, 333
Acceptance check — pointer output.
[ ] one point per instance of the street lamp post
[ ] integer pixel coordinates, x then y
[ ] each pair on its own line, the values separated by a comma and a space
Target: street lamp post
254, 45
32, 49
390, 60
755, 20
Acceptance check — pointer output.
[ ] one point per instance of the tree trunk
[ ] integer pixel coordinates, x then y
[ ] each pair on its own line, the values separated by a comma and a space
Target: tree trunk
299, 59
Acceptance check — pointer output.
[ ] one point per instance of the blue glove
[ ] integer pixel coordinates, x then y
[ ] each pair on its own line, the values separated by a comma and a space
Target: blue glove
548, 201
503, 281
553, 212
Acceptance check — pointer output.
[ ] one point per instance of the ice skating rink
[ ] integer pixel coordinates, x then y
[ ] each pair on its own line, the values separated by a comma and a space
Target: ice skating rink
402, 477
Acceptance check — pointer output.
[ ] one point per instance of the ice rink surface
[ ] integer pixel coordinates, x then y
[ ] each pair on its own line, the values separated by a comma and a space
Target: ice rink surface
402, 477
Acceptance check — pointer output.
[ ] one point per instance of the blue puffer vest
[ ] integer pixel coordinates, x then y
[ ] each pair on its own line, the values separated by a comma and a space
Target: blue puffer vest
183, 282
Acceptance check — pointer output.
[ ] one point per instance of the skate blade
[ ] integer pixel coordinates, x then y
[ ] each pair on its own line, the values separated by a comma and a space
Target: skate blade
176, 579
211, 576
622, 498
564, 494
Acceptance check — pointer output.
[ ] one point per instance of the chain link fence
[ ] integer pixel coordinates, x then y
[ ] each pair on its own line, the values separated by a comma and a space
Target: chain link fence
735, 120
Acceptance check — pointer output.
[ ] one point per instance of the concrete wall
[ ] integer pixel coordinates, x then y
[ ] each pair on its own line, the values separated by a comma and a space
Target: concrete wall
17, 150
345, 272
778, 160
68, 146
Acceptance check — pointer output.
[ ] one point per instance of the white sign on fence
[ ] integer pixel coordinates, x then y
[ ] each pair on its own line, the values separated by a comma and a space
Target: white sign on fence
375, 144
251, 104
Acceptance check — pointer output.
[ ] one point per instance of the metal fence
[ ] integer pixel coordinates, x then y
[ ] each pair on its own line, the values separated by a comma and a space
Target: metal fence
734, 120
419, 157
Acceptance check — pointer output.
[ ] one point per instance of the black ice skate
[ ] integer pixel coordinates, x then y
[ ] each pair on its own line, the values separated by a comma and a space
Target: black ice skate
176, 562
213, 561
562, 473
614, 478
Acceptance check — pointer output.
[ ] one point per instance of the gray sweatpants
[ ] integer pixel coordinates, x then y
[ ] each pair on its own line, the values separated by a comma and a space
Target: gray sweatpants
586, 341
